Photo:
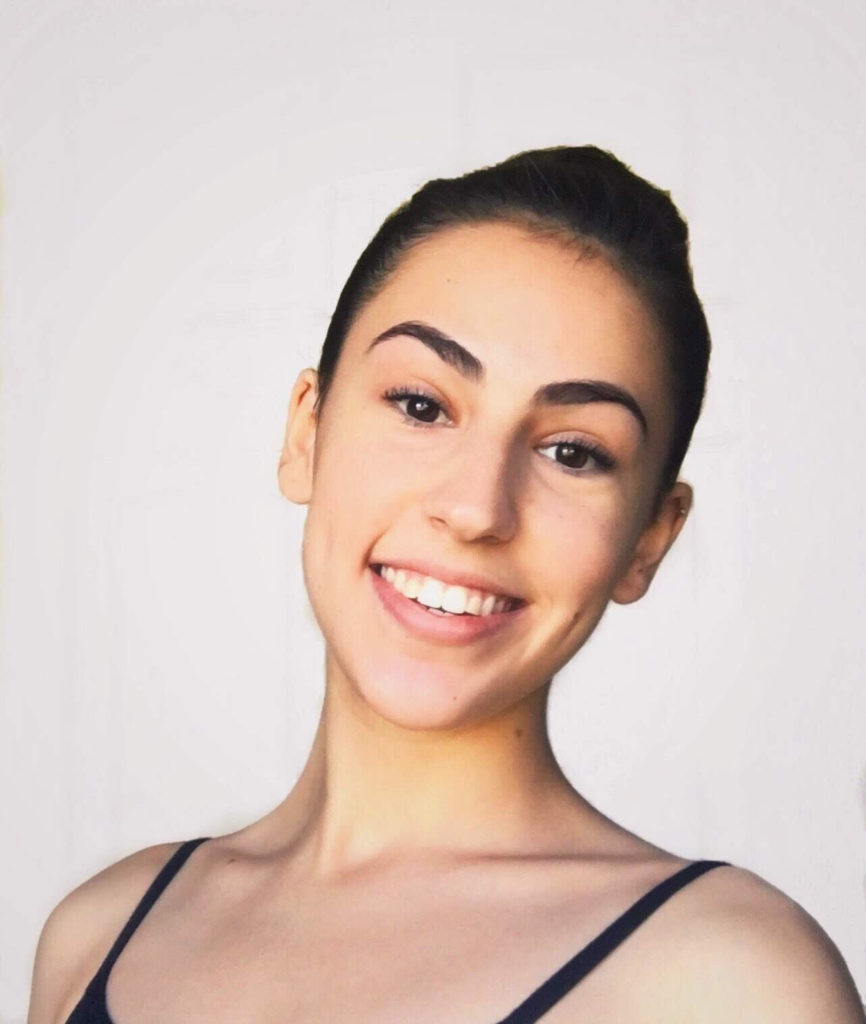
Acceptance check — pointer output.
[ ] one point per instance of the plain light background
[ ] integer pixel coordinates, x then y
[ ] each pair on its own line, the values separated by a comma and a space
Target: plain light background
185, 188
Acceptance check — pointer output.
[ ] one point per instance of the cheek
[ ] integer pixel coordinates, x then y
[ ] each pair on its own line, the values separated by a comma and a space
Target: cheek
352, 490
584, 549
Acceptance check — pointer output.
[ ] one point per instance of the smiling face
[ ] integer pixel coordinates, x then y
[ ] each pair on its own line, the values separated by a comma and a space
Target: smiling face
483, 470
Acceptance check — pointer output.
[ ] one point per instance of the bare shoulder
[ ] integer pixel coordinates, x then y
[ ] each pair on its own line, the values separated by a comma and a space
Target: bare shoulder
740, 949
80, 930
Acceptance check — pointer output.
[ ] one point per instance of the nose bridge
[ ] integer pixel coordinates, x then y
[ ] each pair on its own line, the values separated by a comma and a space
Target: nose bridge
476, 492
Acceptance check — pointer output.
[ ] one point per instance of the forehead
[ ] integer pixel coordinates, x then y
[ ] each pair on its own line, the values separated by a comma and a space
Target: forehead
531, 308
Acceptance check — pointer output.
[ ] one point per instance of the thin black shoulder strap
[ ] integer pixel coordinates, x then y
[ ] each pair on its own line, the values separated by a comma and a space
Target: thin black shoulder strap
558, 984
171, 867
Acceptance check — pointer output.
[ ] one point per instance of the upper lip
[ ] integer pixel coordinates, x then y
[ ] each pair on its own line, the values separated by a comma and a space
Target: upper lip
471, 580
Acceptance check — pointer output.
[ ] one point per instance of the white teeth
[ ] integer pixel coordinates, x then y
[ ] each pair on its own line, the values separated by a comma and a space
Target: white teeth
455, 600
433, 593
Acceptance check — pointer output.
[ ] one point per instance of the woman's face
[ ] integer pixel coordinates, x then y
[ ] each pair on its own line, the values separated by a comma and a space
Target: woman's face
482, 473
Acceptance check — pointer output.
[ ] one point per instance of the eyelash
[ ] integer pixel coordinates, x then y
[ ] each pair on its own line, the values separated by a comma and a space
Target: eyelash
603, 460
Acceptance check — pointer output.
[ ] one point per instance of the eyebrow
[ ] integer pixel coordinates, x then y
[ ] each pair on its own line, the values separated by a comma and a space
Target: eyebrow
565, 392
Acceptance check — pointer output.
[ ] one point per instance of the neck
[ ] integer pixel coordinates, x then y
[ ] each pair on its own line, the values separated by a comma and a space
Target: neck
373, 790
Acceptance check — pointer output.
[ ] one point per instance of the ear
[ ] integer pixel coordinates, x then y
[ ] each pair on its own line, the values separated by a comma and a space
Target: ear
653, 544
295, 471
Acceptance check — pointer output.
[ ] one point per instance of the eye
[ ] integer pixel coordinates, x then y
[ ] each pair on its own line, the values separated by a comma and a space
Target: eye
578, 452
421, 409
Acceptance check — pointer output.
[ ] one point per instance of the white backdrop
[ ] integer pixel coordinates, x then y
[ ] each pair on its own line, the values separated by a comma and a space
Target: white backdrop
186, 185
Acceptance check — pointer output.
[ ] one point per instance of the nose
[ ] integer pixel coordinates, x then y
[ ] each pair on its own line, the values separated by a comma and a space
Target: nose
475, 495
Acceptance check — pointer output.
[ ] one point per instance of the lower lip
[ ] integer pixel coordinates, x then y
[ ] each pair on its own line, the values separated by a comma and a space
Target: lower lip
450, 629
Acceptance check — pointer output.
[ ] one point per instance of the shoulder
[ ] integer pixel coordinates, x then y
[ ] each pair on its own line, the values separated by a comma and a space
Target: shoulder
737, 948
80, 930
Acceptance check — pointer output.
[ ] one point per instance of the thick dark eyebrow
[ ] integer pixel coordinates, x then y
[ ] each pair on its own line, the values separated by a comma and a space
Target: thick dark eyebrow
565, 392
449, 350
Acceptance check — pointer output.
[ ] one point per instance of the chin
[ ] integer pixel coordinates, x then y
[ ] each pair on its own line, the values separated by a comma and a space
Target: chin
412, 694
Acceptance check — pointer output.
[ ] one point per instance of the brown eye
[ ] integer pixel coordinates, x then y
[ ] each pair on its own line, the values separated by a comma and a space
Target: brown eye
421, 408
578, 453
575, 456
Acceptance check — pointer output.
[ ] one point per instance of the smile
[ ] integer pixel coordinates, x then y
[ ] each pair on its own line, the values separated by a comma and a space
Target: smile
437, 624
447, 598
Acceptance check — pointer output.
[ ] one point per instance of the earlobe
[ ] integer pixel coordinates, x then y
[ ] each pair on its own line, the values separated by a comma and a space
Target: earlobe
295, 470
654, 543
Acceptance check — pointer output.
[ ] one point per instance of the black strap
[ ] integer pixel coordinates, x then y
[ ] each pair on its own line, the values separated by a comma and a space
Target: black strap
558, 984
171, 867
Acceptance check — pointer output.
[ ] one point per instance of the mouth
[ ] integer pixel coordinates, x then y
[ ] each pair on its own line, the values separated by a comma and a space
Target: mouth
444, 599
437, 625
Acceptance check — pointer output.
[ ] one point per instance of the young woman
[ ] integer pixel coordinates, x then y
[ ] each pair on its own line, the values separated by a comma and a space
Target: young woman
489, 453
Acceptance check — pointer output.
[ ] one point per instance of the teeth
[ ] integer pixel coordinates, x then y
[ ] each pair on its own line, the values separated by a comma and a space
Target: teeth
455, 600
433, 593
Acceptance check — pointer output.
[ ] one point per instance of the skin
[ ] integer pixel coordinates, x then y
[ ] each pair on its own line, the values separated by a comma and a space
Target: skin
432, 863
474, 495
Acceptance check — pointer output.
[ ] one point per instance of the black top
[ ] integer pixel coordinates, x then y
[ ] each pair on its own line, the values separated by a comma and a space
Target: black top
92, 1007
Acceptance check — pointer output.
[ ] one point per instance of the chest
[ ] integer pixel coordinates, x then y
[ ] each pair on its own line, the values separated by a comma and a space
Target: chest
428, 952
